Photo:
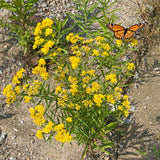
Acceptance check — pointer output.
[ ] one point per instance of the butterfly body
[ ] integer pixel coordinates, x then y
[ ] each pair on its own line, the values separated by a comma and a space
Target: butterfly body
121, 32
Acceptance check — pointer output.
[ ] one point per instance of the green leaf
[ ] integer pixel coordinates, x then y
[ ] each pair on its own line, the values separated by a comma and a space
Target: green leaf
142, 153
111, 126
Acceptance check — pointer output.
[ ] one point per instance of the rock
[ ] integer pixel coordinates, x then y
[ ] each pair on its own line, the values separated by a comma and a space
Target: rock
3, 138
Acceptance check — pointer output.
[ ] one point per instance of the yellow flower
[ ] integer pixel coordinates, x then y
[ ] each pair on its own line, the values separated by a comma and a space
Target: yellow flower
58, 89
105, 46
77, 107
44, 50
37, 114
48, 31
63, 136
110, 99
98, 39
73, 39
77, 53
48, 127
73, 80
95, 87
88, 41
98, 99
61, 102
126, 113
111, 77
105, 54
74, 89
134, 42
46, 23
69, 36
83, 73
95, 53
15, 80
74, 48
86, 79
17, 89
86, 48
87, 103
41, 62
74, 61
130, 66
27, 99
11, 97
7, 89
71, 106
39, 134
88, 90
91, 72
54, 54
59, 127
59, 49
38, 30
69, 119
119, 42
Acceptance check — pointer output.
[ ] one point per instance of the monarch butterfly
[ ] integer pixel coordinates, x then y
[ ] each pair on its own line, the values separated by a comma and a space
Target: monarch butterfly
121, 32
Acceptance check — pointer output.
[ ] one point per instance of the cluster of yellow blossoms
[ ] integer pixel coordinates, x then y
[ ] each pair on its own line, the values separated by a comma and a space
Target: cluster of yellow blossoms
45, 26
40, 69
62, 135
11, 91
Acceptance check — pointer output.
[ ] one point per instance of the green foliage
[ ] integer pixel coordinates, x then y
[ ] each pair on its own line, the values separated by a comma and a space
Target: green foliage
20, 25
82, 95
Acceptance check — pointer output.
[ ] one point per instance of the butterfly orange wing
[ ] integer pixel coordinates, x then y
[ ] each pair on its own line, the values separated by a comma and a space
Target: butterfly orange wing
131, 30
124, 33
118, 30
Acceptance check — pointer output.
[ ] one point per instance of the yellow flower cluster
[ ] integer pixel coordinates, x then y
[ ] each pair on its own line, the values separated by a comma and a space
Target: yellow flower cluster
9, 93
110, 99
37, 114
117, 93
86, 76
111, 77
119, 42
41, 25
48, 127
40, 69
27, 99
39, 134
33, 89
73, 38
48, 31
74, 61
95, 52
60, 73
87, 41
47, 46
18, 76
125, 106
86, 48
97, 98
99, 39
62, 135
38, 31
130, 66
37, 41
132, 40
69, 119
87, 103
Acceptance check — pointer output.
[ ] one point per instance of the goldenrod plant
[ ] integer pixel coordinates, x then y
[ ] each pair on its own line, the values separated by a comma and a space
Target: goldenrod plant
80, 98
